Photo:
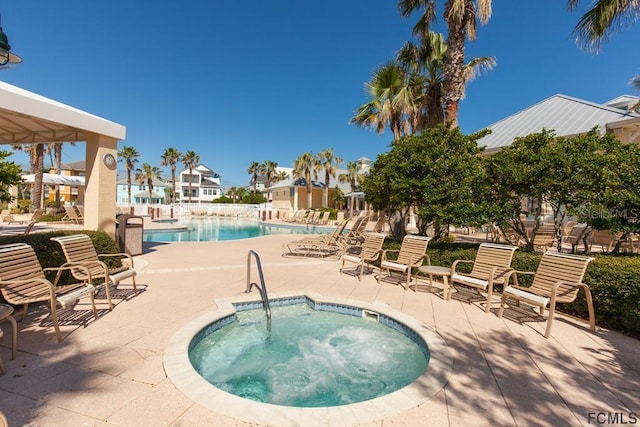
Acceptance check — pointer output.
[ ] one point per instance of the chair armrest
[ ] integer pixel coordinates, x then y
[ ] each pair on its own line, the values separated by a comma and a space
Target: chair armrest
384, 253
456, 262
68, 266
44, 283
122, 255
514, 274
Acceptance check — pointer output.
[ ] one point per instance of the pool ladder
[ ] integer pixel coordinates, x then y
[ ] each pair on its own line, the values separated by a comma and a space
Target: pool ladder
262, 288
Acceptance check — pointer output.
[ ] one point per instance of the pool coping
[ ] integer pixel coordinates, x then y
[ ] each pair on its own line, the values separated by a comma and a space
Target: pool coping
185, 378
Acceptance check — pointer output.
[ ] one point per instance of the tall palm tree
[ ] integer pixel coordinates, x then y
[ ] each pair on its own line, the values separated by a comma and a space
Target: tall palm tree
461, 17
303, 167
190, 161
352, 178
268, 169
170, 157
390, 102
279, 176
130, 157
145, 175
602, 20
329, 163
254, 170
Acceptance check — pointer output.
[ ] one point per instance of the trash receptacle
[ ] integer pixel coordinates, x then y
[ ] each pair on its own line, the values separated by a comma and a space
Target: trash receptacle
129, 233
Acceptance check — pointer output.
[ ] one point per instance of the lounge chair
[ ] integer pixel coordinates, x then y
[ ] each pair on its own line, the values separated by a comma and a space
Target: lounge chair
6, 215
491, 266
72, 215
411, 254
78, 249
324, 218
545, 237
313, 217
557, 280
370, 251
320, 245
35, 217
579, 234
23, 281
356, 234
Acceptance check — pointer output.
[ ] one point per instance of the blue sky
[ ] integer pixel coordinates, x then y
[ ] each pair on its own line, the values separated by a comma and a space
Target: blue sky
243, 81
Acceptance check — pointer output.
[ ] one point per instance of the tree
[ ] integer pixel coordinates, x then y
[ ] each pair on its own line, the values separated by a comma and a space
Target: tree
130, 157
146, 175
303, 167
602, 20
461, 17
390, 102
254, 170
36, 167
425, 61
268, 169
352, 178
190, 161
10, 174
438, 172
170, 157
329, 163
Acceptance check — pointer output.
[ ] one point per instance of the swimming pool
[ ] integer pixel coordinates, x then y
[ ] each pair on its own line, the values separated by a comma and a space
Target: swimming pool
215, 229
184, 376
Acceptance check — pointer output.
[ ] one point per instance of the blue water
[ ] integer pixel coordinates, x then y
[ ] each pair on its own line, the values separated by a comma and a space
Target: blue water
214, 229
310, 359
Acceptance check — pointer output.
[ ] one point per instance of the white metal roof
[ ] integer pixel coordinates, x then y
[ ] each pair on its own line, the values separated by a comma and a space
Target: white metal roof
26, 117
562, 114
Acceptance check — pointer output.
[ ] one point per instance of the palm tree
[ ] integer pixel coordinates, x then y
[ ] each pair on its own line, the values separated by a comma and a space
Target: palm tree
303, 166
170, 157
352, 178
190, 161
268, 169
461, 17
391, 102
329, 163
602, 20
280, 176
254, 170
146, 175
130, 157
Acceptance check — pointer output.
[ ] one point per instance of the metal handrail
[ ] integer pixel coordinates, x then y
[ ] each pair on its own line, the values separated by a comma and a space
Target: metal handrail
262, 289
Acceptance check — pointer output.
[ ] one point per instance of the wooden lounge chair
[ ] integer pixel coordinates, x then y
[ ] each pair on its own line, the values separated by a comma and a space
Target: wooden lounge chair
356, 234
491, 266
324, 218
35, 217
545, 237
78, 249
370, 251
23, 281
557, 280
579, 234
320, 245
72, 215
411, 254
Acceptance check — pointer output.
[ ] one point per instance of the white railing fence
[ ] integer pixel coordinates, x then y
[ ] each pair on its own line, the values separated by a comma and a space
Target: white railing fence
197, 209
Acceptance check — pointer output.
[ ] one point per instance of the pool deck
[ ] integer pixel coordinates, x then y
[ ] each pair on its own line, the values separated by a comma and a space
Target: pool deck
109, 372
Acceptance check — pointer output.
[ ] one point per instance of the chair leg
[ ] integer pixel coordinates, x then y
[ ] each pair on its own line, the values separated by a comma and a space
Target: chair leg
552, 311
502, 302
489, 296
361, 272
592, 317
54, 319
133, 278
93, 304
14, 336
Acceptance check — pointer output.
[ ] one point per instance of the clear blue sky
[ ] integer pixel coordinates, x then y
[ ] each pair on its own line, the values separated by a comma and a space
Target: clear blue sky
242, 81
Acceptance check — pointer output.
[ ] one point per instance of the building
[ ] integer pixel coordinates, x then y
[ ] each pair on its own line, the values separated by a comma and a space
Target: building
140, 192
205, 185
567, 116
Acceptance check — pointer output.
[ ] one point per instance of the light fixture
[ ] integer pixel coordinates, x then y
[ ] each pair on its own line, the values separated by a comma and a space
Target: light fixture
6, 57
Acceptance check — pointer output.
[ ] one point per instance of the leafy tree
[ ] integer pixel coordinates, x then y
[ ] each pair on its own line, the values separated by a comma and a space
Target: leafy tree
461, 17
253, 198
602, 20
303, 167
329, 163
170, 157
130, 157
146, 175
10, 174
190, 161
438, 172
268, 169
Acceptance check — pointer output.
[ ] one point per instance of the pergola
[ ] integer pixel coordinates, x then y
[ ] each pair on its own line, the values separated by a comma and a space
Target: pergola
28, 118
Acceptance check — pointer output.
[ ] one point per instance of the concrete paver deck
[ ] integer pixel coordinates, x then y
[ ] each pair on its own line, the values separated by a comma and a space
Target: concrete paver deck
109, 372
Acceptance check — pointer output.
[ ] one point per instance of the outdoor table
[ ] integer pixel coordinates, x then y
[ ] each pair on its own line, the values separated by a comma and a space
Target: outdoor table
434, 270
